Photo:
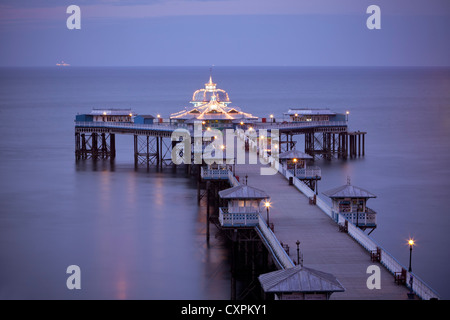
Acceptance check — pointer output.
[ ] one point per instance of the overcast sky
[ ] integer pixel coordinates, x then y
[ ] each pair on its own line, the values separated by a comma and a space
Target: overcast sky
225, 33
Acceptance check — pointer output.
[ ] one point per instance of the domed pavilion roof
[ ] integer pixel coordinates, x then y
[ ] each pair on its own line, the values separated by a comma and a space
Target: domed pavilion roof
202, 96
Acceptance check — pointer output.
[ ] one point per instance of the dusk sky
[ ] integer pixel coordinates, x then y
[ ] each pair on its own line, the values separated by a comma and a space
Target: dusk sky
225, 33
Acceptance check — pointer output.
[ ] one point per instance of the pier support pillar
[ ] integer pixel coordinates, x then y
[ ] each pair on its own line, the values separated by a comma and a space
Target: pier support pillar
136, 154
94, 145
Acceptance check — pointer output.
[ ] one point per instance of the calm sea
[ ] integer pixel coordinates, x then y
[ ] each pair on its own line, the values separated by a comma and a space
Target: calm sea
141, 235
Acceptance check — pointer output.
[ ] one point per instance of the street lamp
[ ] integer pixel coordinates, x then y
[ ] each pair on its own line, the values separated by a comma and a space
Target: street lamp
267, 205
298, 252
295, 166
347, 113
410, 294
411, 244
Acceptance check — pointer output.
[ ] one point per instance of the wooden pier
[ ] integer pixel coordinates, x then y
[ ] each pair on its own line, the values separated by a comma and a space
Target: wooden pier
302, 230
293, 218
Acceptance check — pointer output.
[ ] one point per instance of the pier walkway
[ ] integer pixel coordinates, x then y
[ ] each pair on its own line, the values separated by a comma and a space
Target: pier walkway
322, 246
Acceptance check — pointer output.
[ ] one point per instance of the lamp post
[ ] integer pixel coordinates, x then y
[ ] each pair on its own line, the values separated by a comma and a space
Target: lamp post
267, 205
410, 294
347, 113
411, 243
298, 252
295, 167
317, 185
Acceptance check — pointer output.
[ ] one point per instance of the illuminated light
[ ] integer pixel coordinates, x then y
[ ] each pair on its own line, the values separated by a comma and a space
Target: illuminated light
158, 116
296, 114
250, 129
347, 112
222, 147
271, 115
104, 113
203, 122
267, 204
130, 114
261, 137
411, 242
295, 160
209, 129
242, 123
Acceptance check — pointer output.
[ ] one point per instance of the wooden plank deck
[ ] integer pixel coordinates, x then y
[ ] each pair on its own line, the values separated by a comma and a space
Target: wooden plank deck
323, 247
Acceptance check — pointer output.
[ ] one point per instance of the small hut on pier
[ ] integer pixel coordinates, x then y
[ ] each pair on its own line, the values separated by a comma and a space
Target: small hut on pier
296, 162
300, 283
245, 203
350, 202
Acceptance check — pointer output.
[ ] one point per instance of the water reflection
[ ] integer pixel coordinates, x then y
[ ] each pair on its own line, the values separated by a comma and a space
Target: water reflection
149, 235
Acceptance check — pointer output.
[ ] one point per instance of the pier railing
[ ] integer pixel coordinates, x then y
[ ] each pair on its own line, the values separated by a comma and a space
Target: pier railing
307, 173
127, 125
232, 179
419, 287
171, 127
299, 125
280, 255
368, 218
238, 217
214, 173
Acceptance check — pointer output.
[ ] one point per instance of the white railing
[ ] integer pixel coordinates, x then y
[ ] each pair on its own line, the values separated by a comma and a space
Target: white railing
277, 250
232, 179
214, 173
247, 217
360, 218
309, 172
365, 241
300, 125
324, 207
128, 125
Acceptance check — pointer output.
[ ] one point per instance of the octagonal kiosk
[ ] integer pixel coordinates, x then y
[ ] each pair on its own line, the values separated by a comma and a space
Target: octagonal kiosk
295, 162
350, 202
245, 204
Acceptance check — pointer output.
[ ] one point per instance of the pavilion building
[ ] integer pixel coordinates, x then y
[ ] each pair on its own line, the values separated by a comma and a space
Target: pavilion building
210, 107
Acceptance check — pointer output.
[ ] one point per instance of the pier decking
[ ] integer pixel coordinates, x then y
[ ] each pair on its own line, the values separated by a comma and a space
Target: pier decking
322, 246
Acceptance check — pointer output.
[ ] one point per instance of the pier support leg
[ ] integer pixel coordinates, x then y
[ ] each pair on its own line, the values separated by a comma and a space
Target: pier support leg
112, 146
148, 153
77, 146
160, 153
136, 152
363, 144
94, 140
359, 145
